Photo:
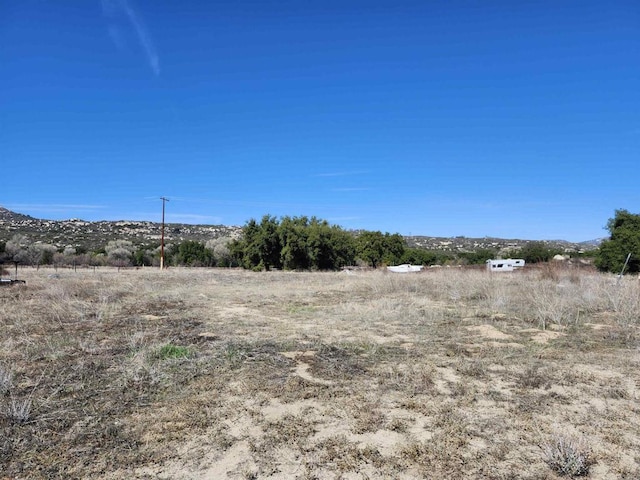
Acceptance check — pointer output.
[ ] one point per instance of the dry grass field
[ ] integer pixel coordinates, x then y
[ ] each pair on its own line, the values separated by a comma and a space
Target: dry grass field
214, 374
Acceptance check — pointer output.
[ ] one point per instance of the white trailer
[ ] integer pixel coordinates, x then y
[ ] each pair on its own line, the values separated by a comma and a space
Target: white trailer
505, 265
405, 268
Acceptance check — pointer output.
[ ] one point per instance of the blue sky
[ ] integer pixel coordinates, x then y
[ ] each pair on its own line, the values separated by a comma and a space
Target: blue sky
514, 119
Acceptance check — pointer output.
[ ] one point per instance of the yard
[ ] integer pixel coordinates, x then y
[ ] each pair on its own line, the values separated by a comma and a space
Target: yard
213, 374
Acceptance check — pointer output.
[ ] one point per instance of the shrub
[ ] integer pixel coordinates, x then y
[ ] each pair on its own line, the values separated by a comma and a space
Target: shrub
568, 456
536, 252
479, 257
193, 254
18, 411
119, 252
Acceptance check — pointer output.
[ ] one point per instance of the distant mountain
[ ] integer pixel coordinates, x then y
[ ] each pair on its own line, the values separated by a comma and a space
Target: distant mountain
592, 244
7, 216
469, 244
95, 235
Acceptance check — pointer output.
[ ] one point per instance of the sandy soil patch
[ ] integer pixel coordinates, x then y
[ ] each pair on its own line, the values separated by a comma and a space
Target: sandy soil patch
543, 336
490, 332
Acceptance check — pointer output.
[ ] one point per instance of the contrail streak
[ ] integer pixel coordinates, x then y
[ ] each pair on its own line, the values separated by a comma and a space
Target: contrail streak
112, 7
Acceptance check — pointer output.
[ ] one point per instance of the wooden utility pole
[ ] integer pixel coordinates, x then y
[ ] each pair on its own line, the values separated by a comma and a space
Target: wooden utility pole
164, 200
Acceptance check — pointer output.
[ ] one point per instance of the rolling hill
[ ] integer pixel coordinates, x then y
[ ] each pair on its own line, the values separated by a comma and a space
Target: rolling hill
94, 235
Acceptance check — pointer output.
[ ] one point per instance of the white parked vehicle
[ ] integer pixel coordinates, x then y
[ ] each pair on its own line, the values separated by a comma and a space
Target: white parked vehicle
405, 268
504, 265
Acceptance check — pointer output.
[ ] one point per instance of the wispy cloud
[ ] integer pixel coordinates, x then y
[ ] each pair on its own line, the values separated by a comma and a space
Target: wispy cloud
113, 8
115, 33
48, 207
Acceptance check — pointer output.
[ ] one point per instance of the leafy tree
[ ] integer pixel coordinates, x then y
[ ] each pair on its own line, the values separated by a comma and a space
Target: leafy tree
268, 243
260, 247
13, 248
394, 248
420, 256
20, 249
142, 257
192, 254
624, 229
244, 250
46, 254
119, 252
294, 237
97, 259
248, 250
292, 243
330, 247
376, 248
29, 256
222, 251
536, 252
479, 256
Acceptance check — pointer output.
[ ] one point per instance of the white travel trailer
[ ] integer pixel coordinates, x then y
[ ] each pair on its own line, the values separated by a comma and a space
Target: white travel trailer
505, 265
405, 268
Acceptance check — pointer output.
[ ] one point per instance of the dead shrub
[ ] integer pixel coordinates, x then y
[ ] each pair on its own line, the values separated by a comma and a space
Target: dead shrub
568, 456
18, 411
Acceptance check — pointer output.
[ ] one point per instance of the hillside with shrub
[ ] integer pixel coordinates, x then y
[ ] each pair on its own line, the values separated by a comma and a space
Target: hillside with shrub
290, 243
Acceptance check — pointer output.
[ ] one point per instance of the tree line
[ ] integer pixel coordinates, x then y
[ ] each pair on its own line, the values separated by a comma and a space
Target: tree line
309, 243
287, 243
119, 253
303, 243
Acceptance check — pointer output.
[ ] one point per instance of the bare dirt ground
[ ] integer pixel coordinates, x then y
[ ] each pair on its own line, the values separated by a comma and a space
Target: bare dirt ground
214, 374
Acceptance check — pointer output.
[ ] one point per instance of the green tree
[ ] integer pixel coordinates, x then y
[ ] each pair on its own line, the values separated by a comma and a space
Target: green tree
480, 256
376, 248
46, 254
244, 250
260, 247
268, 242
15, 249
293, 234
536, 252
624, 239
221, 251
329, 247
292, 243
420, 256
142, 257
119, 252
192, 254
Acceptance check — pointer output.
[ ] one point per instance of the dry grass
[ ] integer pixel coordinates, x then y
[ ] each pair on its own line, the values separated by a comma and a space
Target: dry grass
229, 374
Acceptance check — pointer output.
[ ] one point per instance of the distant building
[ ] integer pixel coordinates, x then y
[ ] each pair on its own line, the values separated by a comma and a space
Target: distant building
505, 265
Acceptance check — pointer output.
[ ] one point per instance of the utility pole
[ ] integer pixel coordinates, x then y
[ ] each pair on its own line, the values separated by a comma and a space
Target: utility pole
164, 200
